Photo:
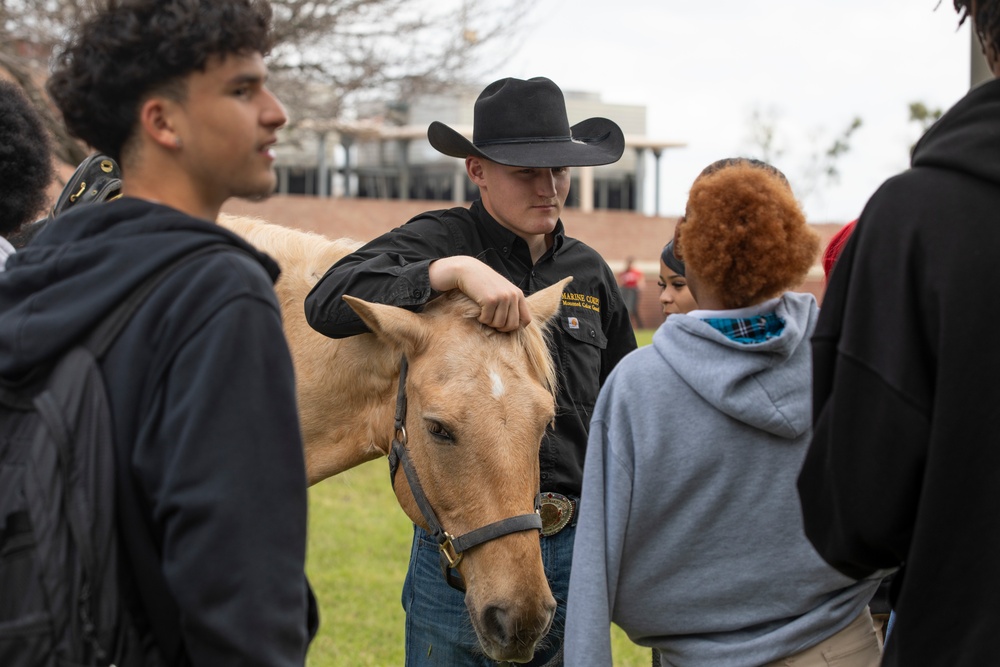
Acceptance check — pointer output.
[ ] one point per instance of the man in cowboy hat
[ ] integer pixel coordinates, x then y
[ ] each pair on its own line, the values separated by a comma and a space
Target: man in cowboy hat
508, 243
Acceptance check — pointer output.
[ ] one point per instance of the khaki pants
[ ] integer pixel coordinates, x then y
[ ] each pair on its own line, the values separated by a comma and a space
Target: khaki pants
854, 646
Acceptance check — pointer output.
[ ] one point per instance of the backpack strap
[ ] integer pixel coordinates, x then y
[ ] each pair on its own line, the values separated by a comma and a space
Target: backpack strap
101, 338
162, 624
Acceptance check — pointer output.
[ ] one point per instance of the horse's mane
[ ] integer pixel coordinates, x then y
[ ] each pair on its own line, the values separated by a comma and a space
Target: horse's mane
531, 339
306, 256
310, 253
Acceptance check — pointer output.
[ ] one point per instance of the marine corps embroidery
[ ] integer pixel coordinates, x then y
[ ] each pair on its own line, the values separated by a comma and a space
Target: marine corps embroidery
576, 300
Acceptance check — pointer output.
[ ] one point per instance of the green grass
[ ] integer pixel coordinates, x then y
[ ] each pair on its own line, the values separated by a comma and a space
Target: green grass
359, 547
644, 336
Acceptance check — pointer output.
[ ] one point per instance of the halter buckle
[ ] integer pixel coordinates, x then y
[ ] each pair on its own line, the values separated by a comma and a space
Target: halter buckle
448, 551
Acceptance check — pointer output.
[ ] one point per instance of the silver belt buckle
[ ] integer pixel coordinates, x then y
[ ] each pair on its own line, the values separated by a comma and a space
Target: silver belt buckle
556, 511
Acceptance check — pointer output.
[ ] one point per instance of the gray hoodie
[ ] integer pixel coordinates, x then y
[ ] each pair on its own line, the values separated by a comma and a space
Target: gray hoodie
690, 536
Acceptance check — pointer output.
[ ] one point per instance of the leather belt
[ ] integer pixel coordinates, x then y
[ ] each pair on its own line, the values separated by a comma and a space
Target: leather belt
556, 510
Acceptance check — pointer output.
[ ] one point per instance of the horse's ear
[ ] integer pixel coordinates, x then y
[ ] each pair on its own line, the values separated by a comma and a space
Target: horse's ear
404, 331
544, 304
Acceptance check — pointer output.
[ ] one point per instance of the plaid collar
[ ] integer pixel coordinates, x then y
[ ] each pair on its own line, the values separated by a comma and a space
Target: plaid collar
748, 330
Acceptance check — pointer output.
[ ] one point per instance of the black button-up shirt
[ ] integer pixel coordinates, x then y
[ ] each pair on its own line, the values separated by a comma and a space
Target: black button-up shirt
593, 333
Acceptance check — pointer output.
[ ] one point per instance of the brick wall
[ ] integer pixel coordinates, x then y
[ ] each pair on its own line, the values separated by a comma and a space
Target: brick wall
616, 235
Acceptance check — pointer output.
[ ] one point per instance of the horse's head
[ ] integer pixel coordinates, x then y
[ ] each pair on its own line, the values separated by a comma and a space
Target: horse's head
478, 404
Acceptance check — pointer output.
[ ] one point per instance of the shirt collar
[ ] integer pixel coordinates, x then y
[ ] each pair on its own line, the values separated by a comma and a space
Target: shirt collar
507, 241
748, 330
752, 324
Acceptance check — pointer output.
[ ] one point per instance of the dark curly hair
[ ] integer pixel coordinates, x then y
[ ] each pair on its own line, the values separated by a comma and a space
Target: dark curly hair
131, 49
986, 22
25, 160
744, 235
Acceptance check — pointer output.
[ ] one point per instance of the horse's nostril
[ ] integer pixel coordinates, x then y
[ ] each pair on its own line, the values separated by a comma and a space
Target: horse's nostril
551, 617
496, 623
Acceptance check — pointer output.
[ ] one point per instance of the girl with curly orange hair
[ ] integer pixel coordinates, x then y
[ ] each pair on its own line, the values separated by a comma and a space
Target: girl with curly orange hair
690, 537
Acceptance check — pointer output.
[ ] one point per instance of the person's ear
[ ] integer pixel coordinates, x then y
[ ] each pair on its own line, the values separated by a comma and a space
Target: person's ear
157, 121
474, 168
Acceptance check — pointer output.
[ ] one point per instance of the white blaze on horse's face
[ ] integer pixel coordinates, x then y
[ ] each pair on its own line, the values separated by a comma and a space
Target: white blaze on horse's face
478, 404
498, 388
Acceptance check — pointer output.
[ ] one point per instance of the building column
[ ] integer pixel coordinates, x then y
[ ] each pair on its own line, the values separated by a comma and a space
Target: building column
404, 169
282, 180
322, 167
979, 69
347, 141
657, 153
458, 183
640, 179
586, 189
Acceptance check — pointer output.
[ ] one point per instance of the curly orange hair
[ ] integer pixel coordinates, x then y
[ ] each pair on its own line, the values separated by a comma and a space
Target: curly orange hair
744, 235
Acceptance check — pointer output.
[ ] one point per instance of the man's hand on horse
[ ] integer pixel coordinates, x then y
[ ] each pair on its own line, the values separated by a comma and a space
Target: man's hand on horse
503, 305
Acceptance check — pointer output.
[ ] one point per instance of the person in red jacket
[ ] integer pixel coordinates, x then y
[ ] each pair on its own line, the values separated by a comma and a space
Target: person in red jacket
835, 246
631, 280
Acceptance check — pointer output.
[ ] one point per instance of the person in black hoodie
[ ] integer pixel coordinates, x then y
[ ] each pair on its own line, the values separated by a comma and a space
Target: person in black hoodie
210, 479
902, 468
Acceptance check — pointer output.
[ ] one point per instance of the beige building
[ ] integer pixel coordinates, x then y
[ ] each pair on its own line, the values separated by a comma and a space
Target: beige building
387, 155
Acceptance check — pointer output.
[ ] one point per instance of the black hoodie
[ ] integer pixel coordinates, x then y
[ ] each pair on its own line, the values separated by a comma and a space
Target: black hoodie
904, 463
211, 479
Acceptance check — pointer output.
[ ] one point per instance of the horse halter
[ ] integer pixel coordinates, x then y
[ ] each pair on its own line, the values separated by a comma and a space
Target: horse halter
451, 547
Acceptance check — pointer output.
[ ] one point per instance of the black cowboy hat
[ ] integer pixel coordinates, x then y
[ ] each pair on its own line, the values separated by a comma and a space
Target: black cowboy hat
524, 124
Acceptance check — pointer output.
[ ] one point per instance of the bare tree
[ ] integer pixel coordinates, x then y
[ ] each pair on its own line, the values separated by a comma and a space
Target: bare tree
331, 56
924, 117
29, 30
763, 129
820, 164
335, 56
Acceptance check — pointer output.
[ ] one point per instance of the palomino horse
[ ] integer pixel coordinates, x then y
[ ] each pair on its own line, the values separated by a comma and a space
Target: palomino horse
478, 402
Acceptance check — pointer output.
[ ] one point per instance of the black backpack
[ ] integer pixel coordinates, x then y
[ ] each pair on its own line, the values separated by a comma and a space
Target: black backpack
60, 603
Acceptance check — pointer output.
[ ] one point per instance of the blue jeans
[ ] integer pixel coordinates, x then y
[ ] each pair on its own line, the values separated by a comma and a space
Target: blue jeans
438, 629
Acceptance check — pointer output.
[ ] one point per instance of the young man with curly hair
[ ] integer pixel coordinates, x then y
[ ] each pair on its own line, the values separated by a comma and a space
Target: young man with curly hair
903, 467
210, 475
25, 164
690, 537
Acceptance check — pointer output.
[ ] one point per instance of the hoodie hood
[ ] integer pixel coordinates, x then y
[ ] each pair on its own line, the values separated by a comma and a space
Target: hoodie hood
967, 137
765, 385
85, 263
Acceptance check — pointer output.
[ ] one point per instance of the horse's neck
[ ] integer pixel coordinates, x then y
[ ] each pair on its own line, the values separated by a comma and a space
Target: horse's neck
346, 388
347, 404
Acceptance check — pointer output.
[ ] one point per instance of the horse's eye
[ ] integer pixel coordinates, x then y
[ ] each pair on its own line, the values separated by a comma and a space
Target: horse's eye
438, 431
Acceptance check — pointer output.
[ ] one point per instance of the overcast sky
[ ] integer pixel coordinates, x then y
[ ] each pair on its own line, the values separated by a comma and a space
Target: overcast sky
701, 67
